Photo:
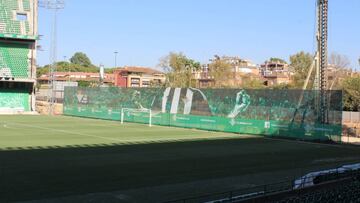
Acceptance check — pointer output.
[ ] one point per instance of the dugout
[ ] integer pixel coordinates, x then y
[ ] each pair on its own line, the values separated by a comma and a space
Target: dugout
16, 97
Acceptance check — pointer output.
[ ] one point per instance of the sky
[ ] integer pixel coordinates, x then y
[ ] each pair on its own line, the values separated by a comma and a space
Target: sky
143, 31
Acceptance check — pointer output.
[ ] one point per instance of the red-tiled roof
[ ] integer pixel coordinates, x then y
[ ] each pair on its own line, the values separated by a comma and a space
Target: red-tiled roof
63, 76
78, 74
140, 70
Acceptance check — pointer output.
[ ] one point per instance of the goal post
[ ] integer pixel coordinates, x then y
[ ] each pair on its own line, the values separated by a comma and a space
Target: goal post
143, 113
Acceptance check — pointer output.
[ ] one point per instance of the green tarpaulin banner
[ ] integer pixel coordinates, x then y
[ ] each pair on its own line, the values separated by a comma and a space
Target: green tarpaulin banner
279, 113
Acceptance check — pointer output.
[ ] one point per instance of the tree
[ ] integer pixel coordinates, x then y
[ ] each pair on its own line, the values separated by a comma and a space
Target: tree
339, 61
110, 70
156, 84
80, 58
340, 64
221, 71
278, 60
63, 66
84, 83
282, 86
179, 70
351, 98
300, 63
249, 82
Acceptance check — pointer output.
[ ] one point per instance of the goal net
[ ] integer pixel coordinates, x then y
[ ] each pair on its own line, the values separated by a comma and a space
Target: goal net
136, 115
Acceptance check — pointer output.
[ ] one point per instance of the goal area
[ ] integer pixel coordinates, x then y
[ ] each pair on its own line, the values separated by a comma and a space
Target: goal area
136, 115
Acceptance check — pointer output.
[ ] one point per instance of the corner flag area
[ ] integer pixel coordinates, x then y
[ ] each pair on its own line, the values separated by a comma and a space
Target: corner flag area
67, 158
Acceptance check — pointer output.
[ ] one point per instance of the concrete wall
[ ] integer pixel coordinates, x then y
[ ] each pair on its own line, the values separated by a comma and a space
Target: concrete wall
351, 117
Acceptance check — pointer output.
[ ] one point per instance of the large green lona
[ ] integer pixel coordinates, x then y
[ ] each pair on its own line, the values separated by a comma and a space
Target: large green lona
280, 113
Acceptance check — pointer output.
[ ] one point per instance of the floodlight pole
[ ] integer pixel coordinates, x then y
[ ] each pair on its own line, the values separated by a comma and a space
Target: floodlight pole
322, 59
52, 5
68, 67
115, 52
101, 75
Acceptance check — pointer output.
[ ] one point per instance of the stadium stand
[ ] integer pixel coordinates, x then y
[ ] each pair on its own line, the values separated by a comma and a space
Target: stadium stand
345, 192
9, 23
14, 60
334, 185
18, 34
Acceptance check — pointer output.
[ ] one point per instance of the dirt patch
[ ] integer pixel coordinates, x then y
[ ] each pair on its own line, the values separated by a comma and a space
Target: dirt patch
42, 108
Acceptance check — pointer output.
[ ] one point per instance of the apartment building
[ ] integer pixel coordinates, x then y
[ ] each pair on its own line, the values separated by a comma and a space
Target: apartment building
275, 73
240, 68
138, 77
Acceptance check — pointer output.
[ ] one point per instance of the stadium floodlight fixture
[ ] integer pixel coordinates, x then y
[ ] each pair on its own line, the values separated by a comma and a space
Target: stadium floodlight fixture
52, 5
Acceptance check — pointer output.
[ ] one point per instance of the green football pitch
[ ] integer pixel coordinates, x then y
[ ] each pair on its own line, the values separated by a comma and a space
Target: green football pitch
72, 159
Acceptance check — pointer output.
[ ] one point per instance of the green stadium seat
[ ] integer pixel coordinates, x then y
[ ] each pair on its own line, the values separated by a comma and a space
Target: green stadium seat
349, 192
12, 26
14, 60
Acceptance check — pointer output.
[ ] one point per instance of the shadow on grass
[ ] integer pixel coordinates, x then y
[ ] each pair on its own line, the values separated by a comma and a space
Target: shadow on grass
45, 172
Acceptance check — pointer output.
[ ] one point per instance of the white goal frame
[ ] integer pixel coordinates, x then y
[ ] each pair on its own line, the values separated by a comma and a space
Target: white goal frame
123, 110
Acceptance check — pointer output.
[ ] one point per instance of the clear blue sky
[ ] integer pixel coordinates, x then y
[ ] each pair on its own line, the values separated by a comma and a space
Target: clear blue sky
142, 31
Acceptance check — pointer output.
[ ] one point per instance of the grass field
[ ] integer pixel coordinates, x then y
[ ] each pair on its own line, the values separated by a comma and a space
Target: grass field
63, 157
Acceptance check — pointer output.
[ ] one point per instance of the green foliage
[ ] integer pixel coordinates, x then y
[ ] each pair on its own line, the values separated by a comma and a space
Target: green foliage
279, 60
282, 86
156, 83
301, 63
221, 71
38, 86
84, 83
67, 67
179, 69
351, 98
109, 70
252, 83
79, 63
81, 59
41, 71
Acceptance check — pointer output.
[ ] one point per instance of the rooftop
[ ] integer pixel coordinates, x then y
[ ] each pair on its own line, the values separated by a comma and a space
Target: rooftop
138, 69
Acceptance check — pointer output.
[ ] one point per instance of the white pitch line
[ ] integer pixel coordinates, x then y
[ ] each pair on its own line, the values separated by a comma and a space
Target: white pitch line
134, 126
221, 136
122, 140
217, 132
65, 131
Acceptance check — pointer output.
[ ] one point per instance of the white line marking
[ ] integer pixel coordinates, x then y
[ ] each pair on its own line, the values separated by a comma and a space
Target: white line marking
65, 131
183, 136
219, 134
